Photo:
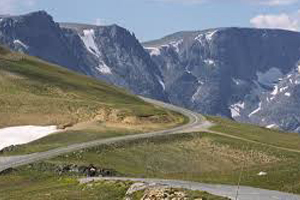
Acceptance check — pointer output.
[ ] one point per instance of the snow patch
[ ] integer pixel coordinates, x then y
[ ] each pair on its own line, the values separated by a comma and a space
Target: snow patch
200, 82
19, 42
271, 126
88, 39
187, 70
199, 38
237, 81
236, 109
283, 89
196, 94
24, 134
256, 110
161, 82
209, 61
153, 51
275, 91
103, 68
287, 94
156, 51
209, 36
176, 44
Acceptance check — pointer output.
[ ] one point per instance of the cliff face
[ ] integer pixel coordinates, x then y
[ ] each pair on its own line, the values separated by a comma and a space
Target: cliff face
109, 53
246, 74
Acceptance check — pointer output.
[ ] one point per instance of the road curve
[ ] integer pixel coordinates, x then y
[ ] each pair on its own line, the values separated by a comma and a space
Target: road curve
245, 193
195, 121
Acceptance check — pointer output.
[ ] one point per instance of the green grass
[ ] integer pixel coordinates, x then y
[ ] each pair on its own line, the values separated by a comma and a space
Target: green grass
256, 133
28, 183
201, 157
31, 88
33, 92
45, 185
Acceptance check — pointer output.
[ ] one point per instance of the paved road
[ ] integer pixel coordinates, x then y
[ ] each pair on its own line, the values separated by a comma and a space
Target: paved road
245, 193
195, 121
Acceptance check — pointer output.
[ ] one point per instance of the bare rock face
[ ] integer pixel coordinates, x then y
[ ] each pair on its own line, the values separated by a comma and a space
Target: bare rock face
110, 53
250, 75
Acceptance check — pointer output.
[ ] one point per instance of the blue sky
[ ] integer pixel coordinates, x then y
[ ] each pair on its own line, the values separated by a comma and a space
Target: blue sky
151, 19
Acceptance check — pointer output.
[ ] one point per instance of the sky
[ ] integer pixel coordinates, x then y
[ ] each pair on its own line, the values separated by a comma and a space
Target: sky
153, 19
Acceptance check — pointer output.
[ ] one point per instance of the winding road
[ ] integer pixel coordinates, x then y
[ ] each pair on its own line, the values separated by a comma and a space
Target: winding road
196, 123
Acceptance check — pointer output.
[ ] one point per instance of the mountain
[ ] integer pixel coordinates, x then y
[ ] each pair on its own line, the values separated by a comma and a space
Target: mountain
109, 53
250, 75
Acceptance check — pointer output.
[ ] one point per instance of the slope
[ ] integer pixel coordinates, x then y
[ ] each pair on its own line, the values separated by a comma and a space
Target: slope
38, 93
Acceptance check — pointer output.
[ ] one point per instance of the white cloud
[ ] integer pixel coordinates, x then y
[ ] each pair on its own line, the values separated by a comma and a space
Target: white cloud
279, 2
259, 2
184, 1
280, 21
12, 6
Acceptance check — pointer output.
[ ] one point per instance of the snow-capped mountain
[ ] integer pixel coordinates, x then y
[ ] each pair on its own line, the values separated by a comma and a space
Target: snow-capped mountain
250, 75
110, 53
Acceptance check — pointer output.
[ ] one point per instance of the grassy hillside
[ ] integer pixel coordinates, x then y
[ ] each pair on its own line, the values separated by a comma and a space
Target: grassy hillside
34, 92
256, 133
202, 157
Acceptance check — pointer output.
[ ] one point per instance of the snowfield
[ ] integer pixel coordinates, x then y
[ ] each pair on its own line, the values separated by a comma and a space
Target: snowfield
24, 134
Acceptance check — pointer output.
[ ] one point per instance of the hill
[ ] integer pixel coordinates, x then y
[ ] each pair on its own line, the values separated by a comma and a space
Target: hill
34, 92
241, 153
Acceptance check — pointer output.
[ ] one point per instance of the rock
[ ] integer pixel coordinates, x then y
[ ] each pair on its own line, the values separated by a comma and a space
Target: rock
8, 171
262, 173
9, 149
164, 194
91, 170
138, 187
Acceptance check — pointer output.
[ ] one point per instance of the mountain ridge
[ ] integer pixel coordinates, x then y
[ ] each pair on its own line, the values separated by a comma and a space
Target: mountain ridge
82, 51
232, 72
190, 33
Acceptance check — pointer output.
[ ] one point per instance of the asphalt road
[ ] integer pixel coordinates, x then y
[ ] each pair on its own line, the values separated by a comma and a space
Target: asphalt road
245, 193
195, 121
